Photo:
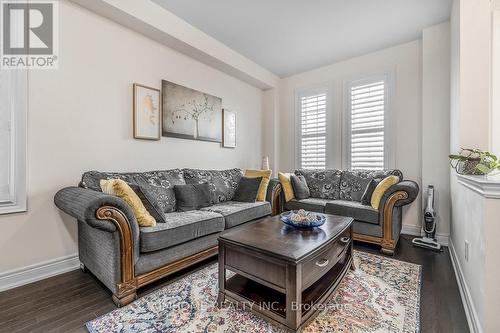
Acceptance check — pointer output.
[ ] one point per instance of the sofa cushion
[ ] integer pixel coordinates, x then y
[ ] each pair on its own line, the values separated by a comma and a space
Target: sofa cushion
180, 227
223, 183
310, 204
236, 213
160, 185
352, 209
323, 184
92, 179
158, 192
353, 183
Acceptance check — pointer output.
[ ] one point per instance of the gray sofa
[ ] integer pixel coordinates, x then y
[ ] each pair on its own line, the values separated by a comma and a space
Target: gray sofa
339, 192
123, 255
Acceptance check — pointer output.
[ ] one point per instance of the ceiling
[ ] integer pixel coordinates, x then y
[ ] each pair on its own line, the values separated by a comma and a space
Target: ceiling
292, 36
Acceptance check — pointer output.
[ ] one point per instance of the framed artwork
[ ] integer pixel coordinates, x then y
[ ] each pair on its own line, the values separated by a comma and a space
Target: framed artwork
229, 131
147, 113
191, 114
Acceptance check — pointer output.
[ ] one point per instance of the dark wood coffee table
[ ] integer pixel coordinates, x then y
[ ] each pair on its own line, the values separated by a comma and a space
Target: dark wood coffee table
282, 273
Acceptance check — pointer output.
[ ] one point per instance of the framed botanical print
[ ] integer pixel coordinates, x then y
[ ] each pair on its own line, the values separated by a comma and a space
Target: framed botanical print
229, 131
147, 113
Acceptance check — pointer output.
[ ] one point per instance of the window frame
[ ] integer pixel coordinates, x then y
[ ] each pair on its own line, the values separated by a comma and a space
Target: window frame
17, 201
308, 91
389, 142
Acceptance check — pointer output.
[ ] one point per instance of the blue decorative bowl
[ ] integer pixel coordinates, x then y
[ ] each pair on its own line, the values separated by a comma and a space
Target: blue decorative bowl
285, 218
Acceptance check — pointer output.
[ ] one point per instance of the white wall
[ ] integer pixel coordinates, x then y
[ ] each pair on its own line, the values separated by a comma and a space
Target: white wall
270, 105
80, 118
405, 61
474, 217
495, 110
436, 121
455, 77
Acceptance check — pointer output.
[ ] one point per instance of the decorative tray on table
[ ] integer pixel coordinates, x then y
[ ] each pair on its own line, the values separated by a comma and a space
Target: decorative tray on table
302, 219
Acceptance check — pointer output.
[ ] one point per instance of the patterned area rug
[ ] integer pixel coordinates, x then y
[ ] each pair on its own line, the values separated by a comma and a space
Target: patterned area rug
382, 295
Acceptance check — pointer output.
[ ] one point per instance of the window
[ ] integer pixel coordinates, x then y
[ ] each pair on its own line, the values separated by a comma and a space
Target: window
312, 130
366, 125
13, 105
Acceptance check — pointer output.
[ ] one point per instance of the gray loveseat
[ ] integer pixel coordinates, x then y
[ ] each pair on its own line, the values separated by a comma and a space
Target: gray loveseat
339, 192
123, 255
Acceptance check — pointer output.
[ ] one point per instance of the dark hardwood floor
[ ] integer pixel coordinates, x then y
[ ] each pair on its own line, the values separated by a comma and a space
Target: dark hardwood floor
64, 303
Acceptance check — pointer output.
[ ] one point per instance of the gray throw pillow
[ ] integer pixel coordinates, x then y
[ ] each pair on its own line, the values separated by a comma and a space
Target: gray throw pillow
149, 202
300, 188
192, 196
366, 199
247, 189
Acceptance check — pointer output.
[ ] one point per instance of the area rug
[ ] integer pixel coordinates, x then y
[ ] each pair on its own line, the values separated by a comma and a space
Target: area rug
382, 295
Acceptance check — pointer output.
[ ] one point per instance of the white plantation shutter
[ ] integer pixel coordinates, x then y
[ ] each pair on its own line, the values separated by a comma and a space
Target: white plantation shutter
366, 125
312, 119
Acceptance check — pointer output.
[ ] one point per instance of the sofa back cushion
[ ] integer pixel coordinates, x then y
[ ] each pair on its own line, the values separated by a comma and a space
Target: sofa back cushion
92, 179
223, 183
323, 184
157, 185
354, 182
160, 185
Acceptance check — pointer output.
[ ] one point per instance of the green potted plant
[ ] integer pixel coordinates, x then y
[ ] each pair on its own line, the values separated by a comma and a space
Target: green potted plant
474, 162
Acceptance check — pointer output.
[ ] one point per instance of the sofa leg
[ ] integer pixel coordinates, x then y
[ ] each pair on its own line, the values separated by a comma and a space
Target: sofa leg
388, 250
124, 300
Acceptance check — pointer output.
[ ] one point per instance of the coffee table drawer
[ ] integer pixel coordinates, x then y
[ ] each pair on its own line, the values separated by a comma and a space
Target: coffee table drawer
263, 269
314, 268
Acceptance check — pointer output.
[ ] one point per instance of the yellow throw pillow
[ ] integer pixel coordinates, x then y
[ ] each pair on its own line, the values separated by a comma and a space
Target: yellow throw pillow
383, 186
122, 190
266, 177
286, 184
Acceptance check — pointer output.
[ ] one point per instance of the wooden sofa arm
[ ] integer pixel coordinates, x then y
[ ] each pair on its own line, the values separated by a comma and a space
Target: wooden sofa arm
398, 195
273, 195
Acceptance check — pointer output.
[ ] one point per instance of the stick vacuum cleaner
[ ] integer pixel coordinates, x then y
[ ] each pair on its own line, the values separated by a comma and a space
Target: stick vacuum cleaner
429, 227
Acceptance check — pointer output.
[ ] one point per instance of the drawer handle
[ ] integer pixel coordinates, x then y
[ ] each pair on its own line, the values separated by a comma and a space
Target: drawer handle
345, 240
322, 262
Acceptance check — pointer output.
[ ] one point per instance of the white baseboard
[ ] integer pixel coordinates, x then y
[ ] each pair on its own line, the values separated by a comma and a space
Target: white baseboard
414, 230
40, 271
470, 309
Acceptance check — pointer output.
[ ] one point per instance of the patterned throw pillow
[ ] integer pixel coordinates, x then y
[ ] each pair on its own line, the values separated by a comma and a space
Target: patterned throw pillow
160, 185
323, 184
223, 183
353, 182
